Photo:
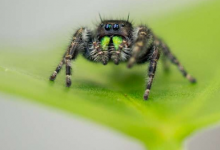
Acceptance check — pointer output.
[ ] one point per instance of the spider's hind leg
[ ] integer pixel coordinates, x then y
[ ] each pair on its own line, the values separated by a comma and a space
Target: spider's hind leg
166, 51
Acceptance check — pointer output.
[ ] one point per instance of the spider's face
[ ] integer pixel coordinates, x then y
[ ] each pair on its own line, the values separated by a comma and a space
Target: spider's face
112, 28
113, 40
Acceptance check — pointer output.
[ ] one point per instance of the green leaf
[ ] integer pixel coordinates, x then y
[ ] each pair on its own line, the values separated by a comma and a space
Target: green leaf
112, 95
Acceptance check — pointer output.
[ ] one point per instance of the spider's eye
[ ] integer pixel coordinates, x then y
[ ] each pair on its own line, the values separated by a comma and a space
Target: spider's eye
108, 27
122, 24
115, 27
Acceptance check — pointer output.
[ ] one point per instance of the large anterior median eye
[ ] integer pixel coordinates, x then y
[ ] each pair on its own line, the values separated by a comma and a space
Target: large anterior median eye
108, 27
115, 27
105, 42
117, 40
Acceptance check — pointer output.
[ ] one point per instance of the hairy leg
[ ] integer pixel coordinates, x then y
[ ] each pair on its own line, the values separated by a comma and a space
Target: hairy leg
174, 60
59, 67
79, 37
73, 51
152, 69
143, 40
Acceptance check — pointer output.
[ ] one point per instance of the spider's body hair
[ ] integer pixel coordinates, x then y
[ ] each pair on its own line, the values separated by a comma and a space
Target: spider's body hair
86, 34
118, 41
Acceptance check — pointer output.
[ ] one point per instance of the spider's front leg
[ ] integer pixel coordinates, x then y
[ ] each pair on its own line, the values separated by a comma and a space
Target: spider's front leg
57, 70
78, 38
143, 38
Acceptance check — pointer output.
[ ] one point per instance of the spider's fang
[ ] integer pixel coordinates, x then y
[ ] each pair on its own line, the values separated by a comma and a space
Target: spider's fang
117, 40
105, 42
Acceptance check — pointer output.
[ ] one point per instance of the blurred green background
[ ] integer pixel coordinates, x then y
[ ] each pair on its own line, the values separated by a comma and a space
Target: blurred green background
112, 95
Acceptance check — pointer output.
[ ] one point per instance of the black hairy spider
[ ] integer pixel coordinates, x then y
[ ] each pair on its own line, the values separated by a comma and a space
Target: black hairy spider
118, 41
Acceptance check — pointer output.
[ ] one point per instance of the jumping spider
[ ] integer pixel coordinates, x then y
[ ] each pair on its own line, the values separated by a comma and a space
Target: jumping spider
118, 41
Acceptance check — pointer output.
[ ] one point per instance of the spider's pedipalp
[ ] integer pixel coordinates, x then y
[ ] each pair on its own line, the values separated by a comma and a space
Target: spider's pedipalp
97, 54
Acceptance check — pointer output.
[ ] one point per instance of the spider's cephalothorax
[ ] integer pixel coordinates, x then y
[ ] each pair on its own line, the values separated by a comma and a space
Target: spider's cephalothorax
117, 41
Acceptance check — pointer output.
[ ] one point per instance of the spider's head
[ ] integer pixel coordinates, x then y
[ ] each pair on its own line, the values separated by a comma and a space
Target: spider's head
114, 28
112, 34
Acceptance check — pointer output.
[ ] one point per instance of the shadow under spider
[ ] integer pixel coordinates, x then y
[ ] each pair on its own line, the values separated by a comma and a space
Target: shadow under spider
127, 80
